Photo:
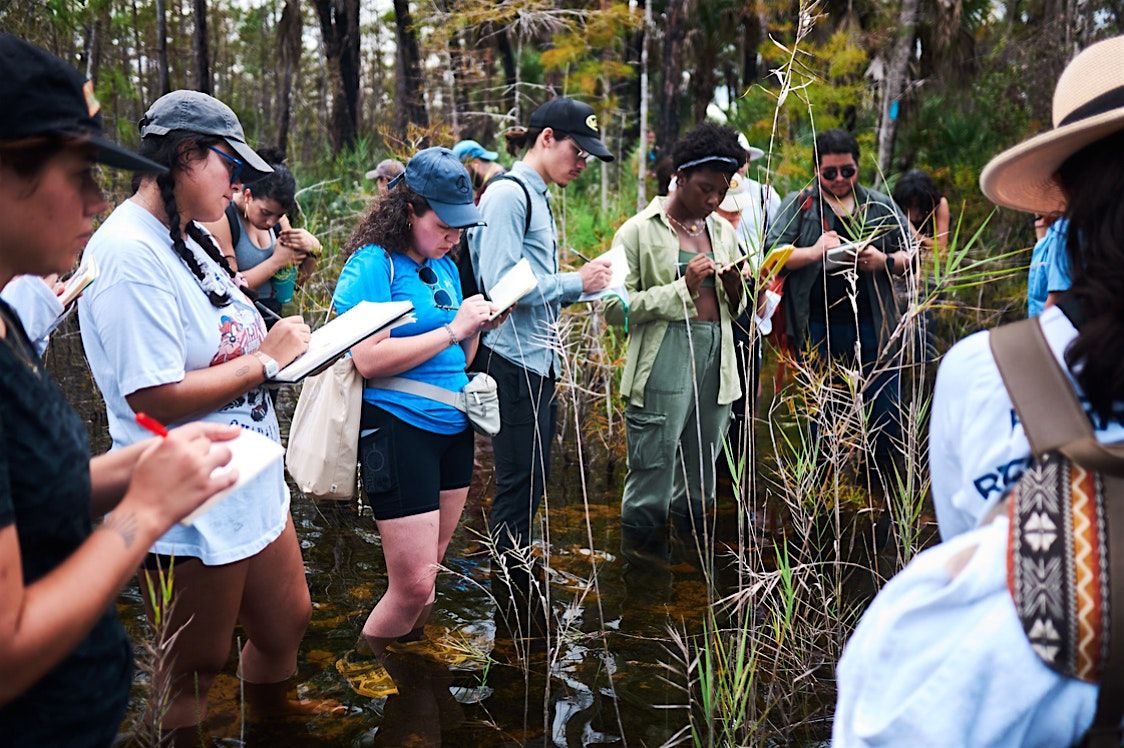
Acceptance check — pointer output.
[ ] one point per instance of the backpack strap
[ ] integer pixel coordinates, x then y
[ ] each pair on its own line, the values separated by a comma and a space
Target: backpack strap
526, 196
234, 223
1105, 731
1048, 408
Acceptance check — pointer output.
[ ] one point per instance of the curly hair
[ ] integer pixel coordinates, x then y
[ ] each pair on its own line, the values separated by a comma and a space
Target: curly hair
387, 221
709, 139
1092, 180
280, 185
177, 150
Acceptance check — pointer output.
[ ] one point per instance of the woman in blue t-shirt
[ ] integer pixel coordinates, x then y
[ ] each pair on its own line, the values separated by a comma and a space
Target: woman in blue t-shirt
415, 454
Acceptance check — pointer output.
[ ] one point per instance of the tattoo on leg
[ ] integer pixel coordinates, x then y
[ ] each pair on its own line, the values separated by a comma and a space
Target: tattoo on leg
124, 525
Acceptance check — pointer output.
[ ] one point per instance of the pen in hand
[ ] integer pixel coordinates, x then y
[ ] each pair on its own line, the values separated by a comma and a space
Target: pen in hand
151, 424
266, 311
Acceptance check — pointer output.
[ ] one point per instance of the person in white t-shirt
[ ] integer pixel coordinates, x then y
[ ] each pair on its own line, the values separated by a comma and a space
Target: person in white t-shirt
941, 657
168, 333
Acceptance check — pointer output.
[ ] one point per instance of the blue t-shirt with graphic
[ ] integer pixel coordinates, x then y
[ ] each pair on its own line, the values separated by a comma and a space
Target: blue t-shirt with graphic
368, 276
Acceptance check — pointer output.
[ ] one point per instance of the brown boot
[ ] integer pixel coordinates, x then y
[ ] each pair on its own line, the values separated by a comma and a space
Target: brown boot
272, 700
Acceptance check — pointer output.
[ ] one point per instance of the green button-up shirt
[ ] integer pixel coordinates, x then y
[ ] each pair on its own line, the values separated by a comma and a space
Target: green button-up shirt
658, 296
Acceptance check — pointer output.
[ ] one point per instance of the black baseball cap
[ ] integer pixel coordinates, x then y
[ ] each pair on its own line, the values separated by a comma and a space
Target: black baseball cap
577, 120
43, 95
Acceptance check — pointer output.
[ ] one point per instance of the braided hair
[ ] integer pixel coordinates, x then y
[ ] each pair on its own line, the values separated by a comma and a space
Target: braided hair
176, 150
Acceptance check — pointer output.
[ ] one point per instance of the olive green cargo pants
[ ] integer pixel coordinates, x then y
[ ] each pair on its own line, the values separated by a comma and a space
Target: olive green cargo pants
674, 439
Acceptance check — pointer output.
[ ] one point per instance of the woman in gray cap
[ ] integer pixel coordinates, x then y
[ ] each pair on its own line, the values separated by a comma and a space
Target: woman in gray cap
169, 333
416, 453
65, 662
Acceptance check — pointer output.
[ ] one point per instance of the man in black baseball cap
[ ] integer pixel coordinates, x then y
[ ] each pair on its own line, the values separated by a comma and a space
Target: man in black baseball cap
577, 120
42, 95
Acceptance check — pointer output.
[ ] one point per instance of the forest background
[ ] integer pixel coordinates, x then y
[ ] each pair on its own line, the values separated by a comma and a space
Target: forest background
940, 85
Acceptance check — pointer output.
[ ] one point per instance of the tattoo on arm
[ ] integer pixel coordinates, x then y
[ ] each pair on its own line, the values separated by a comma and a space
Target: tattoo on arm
242, 371
124, 524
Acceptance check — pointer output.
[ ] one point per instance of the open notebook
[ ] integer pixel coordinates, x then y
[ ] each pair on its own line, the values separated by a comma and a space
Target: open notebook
338, 336
250, 453
513, 286
619, 263
86, 274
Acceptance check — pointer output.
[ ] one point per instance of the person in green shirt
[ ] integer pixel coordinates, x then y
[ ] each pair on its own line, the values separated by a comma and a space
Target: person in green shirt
681, 375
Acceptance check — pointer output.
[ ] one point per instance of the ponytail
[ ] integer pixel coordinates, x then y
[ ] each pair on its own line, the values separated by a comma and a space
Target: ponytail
1093, 181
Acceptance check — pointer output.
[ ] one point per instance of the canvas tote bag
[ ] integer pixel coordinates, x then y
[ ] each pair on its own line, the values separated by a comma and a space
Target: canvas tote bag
324, 437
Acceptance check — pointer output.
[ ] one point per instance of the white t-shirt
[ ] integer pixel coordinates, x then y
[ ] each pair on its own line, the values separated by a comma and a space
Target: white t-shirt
37, 305
943, 661
977, 447
147, 322
758, 211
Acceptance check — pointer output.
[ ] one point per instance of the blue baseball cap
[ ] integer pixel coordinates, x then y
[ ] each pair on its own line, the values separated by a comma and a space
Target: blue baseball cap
467, 149
438, 175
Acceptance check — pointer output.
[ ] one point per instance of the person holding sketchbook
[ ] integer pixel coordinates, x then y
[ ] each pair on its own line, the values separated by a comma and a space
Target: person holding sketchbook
415, 453
522, 356
65, 661
167, 331
685, 288
830, 312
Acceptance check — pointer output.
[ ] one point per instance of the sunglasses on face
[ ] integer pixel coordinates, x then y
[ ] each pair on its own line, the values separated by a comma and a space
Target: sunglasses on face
578, 151
235, 165
832, 171
441, 298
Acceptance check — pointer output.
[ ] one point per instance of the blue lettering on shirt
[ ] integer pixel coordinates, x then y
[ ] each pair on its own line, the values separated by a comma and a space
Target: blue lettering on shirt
1002, 476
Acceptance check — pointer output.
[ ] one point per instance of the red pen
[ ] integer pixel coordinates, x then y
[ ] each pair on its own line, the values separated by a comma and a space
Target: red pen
152, 424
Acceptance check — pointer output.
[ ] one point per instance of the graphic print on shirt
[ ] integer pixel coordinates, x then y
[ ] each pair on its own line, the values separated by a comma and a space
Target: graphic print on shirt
241, 331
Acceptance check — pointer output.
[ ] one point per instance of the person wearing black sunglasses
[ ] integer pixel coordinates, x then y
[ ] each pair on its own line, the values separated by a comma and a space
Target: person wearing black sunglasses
415, 453
833, 304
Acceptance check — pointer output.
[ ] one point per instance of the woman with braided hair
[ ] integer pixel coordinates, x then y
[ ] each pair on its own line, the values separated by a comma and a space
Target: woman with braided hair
168, 332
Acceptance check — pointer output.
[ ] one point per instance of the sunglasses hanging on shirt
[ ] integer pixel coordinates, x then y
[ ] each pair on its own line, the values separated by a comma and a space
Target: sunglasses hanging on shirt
441, 298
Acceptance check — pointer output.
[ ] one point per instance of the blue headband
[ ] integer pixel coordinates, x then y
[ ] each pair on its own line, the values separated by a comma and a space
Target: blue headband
707, 159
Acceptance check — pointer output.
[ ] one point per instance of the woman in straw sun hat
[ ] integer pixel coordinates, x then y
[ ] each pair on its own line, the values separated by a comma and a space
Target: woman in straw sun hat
941, 657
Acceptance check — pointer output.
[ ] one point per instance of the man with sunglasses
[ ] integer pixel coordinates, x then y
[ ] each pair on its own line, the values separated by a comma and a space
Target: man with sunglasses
831, 303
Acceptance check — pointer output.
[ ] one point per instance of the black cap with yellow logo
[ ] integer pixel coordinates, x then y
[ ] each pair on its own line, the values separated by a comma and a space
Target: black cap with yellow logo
42, 95
577, 120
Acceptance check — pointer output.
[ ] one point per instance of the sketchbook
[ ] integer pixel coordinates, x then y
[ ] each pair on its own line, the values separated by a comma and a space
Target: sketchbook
619, 263
843, 256
250, 453
338, 336
513, 286
86, 274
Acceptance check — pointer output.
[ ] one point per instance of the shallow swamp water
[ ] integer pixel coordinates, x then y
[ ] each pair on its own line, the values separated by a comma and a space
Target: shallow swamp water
608, 677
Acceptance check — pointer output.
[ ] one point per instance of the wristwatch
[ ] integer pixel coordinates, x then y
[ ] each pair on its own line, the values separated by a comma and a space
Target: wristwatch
890, 264
268, 364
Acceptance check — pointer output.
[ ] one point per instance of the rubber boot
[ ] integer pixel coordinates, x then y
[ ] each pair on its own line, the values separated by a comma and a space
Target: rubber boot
645, 547
268, 700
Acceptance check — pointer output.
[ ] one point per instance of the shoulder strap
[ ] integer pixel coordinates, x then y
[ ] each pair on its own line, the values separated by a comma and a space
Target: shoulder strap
421, 389
234, 223
1105, 731
1043, 397
526, 196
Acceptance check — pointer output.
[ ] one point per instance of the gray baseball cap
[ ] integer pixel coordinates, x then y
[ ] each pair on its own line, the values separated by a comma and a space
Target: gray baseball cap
197, 112
387, 169
440, 177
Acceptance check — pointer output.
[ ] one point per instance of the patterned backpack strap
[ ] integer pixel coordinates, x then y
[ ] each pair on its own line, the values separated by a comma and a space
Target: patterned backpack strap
1065, 519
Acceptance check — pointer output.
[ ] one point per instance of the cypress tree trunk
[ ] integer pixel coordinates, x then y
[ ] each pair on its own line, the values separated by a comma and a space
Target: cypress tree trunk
200, 48
409, 88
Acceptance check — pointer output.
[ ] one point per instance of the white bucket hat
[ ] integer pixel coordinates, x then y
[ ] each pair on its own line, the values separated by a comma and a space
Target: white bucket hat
1088, 106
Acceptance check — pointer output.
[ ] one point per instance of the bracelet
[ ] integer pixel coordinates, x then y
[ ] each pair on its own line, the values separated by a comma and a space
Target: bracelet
453, 340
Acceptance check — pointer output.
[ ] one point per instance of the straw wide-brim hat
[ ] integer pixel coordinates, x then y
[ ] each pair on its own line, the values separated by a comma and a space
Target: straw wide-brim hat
1088, 106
